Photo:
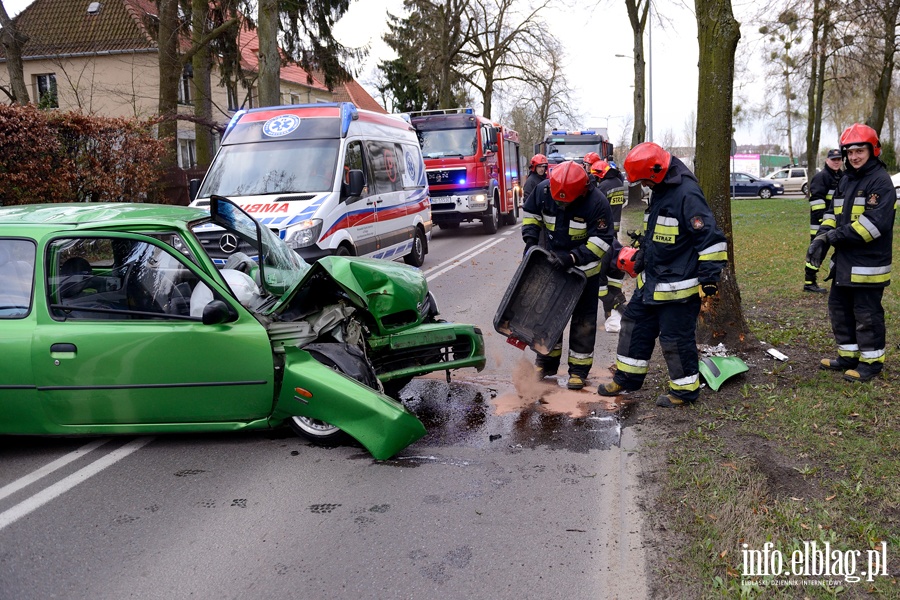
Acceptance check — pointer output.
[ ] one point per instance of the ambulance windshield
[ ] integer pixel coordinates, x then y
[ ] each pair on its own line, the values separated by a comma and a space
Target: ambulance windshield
273, 167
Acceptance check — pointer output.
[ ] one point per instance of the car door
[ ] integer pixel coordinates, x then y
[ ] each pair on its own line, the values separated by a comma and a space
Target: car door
741, 185
117, 343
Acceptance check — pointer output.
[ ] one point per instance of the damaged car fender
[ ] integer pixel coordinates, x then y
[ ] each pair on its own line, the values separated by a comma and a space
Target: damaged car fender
316, 391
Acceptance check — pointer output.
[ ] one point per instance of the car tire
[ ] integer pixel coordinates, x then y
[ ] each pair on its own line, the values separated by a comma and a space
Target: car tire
343, 250
765, 193
416, 256
492, 221
805, 189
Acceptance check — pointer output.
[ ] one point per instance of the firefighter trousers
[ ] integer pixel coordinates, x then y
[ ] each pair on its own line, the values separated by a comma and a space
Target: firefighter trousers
675, 324
857, 321
582, 335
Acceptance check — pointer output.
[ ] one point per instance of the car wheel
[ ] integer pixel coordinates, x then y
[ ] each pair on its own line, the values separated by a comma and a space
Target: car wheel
416, 256
765, 193
492, 221
805, 189
343, 250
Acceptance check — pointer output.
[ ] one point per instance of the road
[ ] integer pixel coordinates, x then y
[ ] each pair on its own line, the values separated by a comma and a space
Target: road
506, 496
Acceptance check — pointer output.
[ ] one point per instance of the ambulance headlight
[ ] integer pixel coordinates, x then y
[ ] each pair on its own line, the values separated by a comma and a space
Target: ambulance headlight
303, 234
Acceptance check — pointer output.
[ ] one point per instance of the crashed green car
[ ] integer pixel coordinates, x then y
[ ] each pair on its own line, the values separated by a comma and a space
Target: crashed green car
118, 319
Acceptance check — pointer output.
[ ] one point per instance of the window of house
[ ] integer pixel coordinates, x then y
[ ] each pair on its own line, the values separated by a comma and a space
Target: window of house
233, 102
46, 90
187, 154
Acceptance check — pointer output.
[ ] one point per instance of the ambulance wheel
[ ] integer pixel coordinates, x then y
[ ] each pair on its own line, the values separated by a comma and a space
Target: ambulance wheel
492, 221
416, 256
343, 250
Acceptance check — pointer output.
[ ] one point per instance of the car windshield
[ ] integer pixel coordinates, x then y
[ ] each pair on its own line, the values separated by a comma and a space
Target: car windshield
274, 167
280, 267
573, 151
448, 142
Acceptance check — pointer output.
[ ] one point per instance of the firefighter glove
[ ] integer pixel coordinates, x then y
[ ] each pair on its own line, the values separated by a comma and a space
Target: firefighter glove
818, 248
636, 237
529, 242
638, 261
710, 288
563, 260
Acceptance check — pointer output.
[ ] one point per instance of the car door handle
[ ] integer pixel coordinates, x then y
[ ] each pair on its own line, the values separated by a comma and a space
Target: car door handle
63, 348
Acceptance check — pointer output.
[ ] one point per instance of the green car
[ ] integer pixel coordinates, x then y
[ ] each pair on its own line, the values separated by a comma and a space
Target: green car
129, 319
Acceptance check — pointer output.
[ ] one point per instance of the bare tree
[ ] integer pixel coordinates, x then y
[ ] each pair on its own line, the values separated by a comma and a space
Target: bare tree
550, 96
722, 318
638, 11
13, 41
690, 130
501, 34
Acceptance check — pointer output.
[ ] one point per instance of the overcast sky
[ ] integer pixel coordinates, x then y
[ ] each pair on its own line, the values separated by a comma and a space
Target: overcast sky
591, 37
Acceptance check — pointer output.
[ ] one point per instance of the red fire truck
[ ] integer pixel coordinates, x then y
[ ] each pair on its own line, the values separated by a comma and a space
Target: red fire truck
472, 167
565, 145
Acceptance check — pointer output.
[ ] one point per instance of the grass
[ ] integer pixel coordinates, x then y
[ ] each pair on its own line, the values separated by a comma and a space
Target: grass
791, 454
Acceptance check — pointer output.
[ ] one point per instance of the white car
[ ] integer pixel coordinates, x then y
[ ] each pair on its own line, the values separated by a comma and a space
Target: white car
896, 180
793, 179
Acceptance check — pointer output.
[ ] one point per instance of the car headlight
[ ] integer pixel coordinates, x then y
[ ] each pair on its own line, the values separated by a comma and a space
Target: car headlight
777, 185
479, 199
303, 234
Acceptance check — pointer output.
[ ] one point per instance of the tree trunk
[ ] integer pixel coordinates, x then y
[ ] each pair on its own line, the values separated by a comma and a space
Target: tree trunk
202, 89
638, 17
822, 29
883, 87
488, 94
269, 58
13, 40
721, 318
170, 71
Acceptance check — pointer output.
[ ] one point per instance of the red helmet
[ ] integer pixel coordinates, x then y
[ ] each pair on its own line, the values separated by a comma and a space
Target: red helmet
625, 260
860, 134
599, 168
591, 157
568, 181
647, 161
538, 160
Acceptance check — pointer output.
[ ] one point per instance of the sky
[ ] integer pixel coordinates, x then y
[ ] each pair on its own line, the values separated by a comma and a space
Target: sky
592, 34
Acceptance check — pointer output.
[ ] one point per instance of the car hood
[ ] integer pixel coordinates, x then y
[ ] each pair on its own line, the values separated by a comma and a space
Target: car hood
382, 287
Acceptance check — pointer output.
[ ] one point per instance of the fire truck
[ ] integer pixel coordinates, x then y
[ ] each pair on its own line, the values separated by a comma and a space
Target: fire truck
472, 165
564, 145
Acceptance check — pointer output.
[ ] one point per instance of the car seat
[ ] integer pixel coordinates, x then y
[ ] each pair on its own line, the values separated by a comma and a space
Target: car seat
74, 276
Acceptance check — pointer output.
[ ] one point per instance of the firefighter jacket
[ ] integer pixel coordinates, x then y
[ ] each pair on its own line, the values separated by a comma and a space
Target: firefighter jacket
583, 228
530, 183
613, 187
821, 196
860, 228
682, 246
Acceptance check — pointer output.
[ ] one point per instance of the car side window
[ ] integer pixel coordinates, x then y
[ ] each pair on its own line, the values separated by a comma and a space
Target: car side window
96, 278
798, 173
16, 277
779, 175
354, 159
386, 166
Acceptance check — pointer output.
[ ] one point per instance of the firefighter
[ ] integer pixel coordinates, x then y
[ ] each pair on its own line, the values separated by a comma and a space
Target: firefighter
611, 183
821, 194
589, 159
860, 229
681, 256
537, 172
579, 233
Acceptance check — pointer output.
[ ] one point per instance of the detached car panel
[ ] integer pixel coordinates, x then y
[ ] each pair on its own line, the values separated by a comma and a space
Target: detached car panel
114, 319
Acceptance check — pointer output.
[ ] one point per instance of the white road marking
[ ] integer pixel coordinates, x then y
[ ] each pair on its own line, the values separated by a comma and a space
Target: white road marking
62, 486
457, 260
18, 484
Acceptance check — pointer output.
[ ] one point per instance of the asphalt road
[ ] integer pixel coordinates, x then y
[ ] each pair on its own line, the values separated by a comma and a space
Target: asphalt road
519, 490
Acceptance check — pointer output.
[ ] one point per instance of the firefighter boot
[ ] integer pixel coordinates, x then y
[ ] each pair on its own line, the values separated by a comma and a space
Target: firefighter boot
670, 401
814, 288
542, 372
576, 382
611, 389
864, 372
838, 364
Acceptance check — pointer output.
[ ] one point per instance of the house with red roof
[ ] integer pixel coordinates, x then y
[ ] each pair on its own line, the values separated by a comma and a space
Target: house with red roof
101, 57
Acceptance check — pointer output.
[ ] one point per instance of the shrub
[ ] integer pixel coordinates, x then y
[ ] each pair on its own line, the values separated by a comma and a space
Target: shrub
72, 157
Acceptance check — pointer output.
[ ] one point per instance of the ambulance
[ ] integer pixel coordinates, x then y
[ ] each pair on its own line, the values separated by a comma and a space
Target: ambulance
329, 179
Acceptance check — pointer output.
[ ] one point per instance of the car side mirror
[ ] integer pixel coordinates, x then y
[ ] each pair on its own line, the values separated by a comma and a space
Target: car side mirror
193, 188
356, 183
217, 312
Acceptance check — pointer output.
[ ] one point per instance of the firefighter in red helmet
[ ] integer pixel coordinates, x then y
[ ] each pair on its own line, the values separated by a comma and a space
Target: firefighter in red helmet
681, 255
589, 159
860, 228
611, 183
576, 220
537, 173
